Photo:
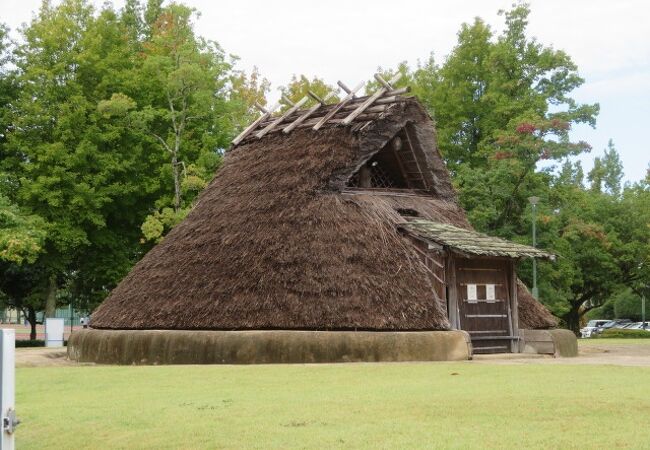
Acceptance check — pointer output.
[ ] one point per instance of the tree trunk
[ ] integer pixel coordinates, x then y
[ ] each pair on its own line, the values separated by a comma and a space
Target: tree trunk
572, 317
31, 318
50, 298
177, 181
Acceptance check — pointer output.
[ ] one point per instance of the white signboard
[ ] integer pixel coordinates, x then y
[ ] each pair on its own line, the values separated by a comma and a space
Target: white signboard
489, 293
54, 332
471, 293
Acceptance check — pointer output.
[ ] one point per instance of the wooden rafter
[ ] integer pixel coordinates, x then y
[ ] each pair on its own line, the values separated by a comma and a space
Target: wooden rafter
266, 114
309, 112
338, 107
288, 112
387, 86
415, 158
350, 108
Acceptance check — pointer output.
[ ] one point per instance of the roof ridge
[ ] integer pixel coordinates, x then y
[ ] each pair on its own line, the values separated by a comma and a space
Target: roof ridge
348, 110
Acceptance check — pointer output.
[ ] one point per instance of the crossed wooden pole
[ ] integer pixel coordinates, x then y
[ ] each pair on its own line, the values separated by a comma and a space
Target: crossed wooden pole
385, 94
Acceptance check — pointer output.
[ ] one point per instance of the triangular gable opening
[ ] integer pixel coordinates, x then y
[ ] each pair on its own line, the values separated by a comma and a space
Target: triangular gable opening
395, 166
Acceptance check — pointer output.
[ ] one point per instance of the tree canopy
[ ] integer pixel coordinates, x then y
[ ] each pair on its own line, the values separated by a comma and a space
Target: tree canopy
112, 122
504, 110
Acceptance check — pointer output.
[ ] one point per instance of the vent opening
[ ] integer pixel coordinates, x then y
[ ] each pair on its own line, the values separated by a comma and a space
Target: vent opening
393, 167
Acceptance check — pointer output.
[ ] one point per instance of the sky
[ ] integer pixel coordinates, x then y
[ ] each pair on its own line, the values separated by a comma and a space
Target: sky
348, 39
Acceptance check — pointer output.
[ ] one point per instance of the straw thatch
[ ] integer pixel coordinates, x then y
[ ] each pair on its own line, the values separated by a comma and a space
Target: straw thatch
275, 242
532, 314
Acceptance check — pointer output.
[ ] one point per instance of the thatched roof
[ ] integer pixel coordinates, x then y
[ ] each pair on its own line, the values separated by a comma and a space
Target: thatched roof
532, 314
278, 241
470, 242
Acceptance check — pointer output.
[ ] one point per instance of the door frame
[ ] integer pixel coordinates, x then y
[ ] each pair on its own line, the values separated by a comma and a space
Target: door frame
513, 304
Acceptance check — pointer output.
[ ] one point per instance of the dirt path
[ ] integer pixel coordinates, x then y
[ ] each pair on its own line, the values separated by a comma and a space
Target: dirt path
42, 357
590, 352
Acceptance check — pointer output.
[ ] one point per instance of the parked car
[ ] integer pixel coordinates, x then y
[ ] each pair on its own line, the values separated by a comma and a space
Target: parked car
639, 326
616, 323
591, 326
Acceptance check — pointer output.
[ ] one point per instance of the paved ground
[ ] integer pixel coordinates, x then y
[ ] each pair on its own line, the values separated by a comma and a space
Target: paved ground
601, 352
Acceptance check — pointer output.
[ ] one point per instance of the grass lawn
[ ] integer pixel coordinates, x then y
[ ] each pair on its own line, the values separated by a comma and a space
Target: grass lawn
443, 405
612, 341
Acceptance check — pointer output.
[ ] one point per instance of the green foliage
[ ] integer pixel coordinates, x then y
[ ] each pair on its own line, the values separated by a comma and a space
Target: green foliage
21, 236
246, 90
502, 104
186, 110
108, 119
602, 312
617, 333
607, 173
160, 222
602, 248
299, 86
627, 305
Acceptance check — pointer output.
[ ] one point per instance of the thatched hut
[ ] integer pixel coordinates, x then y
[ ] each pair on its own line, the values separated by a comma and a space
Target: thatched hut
307, 239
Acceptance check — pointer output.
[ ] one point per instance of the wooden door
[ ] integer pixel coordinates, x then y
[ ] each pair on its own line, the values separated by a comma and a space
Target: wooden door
484, 303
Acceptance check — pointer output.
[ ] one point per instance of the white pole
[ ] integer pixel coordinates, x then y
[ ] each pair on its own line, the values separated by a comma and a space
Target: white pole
7, 392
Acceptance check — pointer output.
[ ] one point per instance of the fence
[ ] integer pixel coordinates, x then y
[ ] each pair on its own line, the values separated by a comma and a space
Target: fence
14, 316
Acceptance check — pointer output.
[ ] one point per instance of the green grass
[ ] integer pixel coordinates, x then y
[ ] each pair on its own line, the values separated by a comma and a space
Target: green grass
432, 405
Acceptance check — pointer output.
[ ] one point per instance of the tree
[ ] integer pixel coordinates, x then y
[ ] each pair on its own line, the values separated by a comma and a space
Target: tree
602, 241
87, 179
245, 91
21, 235
607, 173
8, 88
299, 86
190, 73
23, 287
627, 305
502, 104
111, 122
182, 104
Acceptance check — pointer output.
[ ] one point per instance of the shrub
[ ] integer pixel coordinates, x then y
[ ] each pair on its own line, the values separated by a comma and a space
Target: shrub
30, 343
33, 343
622, 333
627, 305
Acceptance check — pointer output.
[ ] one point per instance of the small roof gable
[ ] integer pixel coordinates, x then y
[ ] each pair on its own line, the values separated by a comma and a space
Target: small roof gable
471, 242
